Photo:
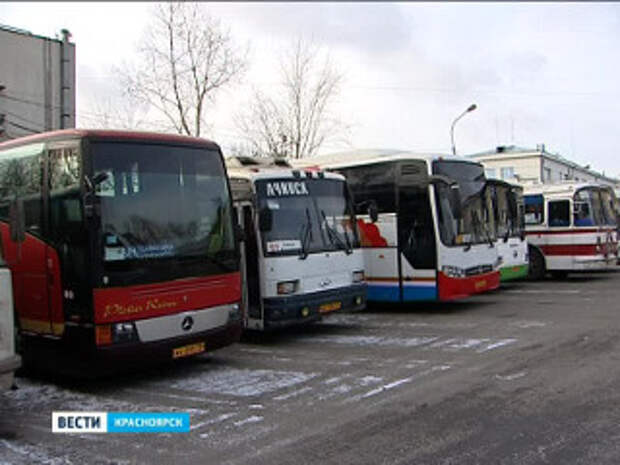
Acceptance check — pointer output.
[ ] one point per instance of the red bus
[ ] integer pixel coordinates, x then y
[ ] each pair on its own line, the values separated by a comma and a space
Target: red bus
121, 247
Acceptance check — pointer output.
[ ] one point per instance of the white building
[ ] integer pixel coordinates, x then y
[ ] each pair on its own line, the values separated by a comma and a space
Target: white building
525, 165
37, 83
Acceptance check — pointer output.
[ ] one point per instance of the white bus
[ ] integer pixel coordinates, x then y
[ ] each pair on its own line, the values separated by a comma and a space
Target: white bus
508, 211
9, 360
424, 223
301, 255
570, 227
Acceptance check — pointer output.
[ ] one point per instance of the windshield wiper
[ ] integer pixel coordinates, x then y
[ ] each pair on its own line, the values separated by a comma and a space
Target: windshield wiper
334, 237
306, 234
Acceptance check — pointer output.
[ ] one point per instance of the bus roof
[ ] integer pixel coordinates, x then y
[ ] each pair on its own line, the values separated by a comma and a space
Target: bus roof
276, 172
253, 168
559, 189
109, 134
370, 156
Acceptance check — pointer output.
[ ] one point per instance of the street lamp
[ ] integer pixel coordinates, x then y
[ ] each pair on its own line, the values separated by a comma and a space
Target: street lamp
472, 107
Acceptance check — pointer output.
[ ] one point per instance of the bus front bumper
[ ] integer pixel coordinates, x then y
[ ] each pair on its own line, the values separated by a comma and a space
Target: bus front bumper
594, 263
130, 353
281, 312
457, 288
510, 273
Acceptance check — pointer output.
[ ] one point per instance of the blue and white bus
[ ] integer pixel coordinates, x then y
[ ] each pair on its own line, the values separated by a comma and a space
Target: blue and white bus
425, 227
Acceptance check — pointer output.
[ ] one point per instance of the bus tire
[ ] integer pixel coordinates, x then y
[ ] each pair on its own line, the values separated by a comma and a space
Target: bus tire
537, 265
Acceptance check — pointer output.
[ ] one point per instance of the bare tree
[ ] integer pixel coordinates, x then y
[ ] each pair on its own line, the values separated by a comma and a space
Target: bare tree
297, 121
114, 112
185, 58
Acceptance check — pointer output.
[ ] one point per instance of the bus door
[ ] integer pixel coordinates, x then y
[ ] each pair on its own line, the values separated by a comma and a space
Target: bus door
249, 267
67, 255
417, 257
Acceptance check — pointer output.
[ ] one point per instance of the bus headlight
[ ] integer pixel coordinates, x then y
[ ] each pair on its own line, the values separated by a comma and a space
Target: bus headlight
234, 314
288, 287
358, 276
115, 333
453, 271
124, 332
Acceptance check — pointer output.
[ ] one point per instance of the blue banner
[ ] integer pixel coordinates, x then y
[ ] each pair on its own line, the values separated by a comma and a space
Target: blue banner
128, 422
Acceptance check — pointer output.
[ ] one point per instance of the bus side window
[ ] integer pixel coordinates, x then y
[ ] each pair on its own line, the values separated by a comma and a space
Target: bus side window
64, 183
559, 213
372, 183
534, 211
20, 178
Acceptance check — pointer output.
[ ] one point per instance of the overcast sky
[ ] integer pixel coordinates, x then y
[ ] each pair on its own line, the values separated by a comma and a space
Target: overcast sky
539, 73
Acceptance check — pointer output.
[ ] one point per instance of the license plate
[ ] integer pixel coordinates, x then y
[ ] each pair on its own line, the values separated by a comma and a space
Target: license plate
330, 307
481, 284
186, 351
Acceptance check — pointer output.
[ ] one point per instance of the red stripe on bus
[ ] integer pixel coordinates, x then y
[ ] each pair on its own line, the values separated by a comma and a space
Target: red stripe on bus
569, 231
152, 300
571, 249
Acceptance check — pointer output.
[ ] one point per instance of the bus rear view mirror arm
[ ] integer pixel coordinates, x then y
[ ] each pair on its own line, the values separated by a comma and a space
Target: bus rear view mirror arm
441, 179
95, 181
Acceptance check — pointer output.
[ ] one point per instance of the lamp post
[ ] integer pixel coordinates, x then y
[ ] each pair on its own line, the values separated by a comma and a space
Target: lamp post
472, 107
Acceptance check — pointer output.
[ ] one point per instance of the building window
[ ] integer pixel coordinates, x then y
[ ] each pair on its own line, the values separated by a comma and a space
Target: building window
508, 172
489, 173
547, 175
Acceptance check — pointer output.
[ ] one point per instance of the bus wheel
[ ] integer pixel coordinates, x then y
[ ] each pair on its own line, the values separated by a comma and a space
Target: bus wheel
537, 265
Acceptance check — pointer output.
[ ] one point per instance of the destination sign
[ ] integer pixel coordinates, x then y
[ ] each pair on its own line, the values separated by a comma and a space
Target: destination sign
286, 188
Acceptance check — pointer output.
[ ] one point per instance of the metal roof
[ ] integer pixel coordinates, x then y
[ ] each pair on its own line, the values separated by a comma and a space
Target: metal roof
104, 134
370, 156
513, 150
559, 189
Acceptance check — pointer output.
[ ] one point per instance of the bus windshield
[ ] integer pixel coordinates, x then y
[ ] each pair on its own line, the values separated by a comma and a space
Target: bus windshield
608, 202
162, 203
588, 208
506, 210
307, 216
474, 226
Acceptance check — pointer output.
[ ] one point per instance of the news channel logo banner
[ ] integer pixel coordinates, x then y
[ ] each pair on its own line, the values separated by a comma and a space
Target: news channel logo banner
119, 422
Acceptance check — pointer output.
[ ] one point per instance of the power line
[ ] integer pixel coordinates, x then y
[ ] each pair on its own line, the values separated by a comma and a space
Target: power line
26, 120
31, 102
34, 131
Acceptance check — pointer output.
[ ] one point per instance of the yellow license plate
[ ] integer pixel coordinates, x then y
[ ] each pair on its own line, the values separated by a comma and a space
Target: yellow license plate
330, 307
186, 351
481, 284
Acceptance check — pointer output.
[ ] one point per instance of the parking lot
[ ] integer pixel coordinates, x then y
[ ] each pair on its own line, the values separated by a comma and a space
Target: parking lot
526, 374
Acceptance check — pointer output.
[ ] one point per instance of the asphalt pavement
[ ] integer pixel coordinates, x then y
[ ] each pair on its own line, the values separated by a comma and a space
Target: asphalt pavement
528, 374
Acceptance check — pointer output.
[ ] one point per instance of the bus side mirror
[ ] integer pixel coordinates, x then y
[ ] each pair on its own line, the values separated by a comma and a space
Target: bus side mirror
265, 219
373, 211
17, 224
454, 193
